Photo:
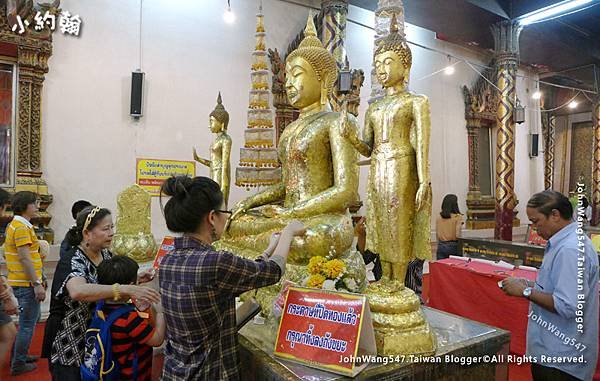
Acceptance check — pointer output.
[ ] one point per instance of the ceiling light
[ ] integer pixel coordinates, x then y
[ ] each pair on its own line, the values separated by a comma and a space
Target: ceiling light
573, 104
229, 16
537, 95
552, 11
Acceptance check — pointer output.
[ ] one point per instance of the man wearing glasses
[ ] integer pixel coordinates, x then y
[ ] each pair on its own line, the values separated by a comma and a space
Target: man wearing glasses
562, 329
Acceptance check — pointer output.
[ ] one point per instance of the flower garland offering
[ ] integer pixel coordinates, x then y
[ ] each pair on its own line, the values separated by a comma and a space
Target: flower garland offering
329, 274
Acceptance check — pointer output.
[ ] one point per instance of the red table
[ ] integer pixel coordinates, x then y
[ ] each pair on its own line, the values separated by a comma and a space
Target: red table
470, 289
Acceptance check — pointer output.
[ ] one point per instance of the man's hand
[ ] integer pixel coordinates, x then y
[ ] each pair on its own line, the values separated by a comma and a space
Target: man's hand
514, 286
360, 228
40, 293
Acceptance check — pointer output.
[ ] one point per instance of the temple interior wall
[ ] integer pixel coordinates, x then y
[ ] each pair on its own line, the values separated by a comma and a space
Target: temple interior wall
90, 143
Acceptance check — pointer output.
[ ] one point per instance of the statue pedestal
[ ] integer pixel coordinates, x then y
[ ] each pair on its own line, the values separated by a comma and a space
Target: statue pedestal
458, 339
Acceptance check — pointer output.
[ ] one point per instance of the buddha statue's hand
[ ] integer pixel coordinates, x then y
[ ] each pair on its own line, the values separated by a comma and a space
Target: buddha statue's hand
275, 211
346, 128
239, 208
423, 195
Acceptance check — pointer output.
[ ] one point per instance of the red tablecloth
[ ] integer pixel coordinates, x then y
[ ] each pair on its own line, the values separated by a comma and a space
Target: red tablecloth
470, 289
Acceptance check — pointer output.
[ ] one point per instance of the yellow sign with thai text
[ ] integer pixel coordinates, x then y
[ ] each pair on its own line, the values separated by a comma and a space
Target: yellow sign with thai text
151, 173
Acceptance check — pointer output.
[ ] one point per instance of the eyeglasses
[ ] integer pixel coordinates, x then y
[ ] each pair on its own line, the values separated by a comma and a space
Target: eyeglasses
224, 211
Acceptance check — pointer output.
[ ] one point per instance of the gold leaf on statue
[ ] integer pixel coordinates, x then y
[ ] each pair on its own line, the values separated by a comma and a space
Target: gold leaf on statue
133, 235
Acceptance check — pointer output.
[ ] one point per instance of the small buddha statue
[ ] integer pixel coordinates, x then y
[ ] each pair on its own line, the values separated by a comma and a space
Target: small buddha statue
319, 168
396, 138
133, 234
220, 149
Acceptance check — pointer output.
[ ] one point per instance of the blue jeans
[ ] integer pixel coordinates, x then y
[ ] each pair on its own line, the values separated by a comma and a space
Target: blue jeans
29, 314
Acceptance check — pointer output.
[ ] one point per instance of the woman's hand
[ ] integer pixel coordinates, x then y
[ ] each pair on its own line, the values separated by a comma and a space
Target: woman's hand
146, 275
273, 241
294, 228
11, 306
141, 293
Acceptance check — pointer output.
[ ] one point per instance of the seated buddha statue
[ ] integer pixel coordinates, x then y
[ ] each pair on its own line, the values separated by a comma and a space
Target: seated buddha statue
319, 168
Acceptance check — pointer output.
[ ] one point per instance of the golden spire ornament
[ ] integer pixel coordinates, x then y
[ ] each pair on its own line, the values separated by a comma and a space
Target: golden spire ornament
259, 165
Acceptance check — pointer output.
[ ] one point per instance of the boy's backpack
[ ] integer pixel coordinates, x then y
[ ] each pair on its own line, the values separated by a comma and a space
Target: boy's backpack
98, 363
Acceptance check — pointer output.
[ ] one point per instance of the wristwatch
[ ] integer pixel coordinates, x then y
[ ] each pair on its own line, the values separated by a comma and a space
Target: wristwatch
36, 283
527, 292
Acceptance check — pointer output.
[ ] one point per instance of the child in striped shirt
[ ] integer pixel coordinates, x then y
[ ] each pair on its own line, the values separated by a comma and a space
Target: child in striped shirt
132, 333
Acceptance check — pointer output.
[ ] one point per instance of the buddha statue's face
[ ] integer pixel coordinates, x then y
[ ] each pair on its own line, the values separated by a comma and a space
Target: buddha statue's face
301, 83
215, 125
390, 69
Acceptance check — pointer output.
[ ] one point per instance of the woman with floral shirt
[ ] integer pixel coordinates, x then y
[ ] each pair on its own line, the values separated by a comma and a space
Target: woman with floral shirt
75, 289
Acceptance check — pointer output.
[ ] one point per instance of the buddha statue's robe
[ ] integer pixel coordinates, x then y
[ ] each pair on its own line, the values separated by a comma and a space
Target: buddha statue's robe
319, 182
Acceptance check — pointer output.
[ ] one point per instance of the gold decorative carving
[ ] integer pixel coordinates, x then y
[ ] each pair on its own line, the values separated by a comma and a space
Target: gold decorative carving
596, 163
24, 108
34, 48
133, 236
481, 103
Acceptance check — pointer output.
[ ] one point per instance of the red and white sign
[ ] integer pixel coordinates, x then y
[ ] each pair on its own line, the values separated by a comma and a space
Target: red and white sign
167, 245
533, 238
326, 330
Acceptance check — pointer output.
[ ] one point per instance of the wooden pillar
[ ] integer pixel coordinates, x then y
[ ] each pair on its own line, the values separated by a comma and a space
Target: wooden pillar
506, 37
548, 127
335, 13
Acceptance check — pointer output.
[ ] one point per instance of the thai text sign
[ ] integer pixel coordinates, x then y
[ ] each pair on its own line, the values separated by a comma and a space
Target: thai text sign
321, 328
167, 245
151, 173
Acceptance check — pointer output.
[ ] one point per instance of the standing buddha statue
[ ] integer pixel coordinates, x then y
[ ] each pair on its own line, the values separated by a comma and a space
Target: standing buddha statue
220, 149
396, 138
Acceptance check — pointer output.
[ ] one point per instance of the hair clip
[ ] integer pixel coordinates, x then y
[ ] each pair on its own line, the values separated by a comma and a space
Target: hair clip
89, 217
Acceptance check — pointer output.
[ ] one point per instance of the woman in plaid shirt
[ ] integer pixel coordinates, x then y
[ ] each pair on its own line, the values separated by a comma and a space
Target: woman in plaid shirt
198, 284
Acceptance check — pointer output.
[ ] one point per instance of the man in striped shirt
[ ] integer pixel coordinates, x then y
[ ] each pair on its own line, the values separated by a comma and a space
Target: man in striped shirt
24, 263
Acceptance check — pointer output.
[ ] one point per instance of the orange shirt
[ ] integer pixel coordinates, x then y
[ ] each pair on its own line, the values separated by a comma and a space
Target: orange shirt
448, 229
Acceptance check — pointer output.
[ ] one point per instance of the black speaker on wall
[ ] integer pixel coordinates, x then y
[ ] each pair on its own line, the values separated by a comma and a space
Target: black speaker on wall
534, 140
137, 85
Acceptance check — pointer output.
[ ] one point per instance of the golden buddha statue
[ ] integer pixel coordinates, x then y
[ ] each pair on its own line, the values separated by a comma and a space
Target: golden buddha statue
220, 149
319, 168
396, 138
133, 234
